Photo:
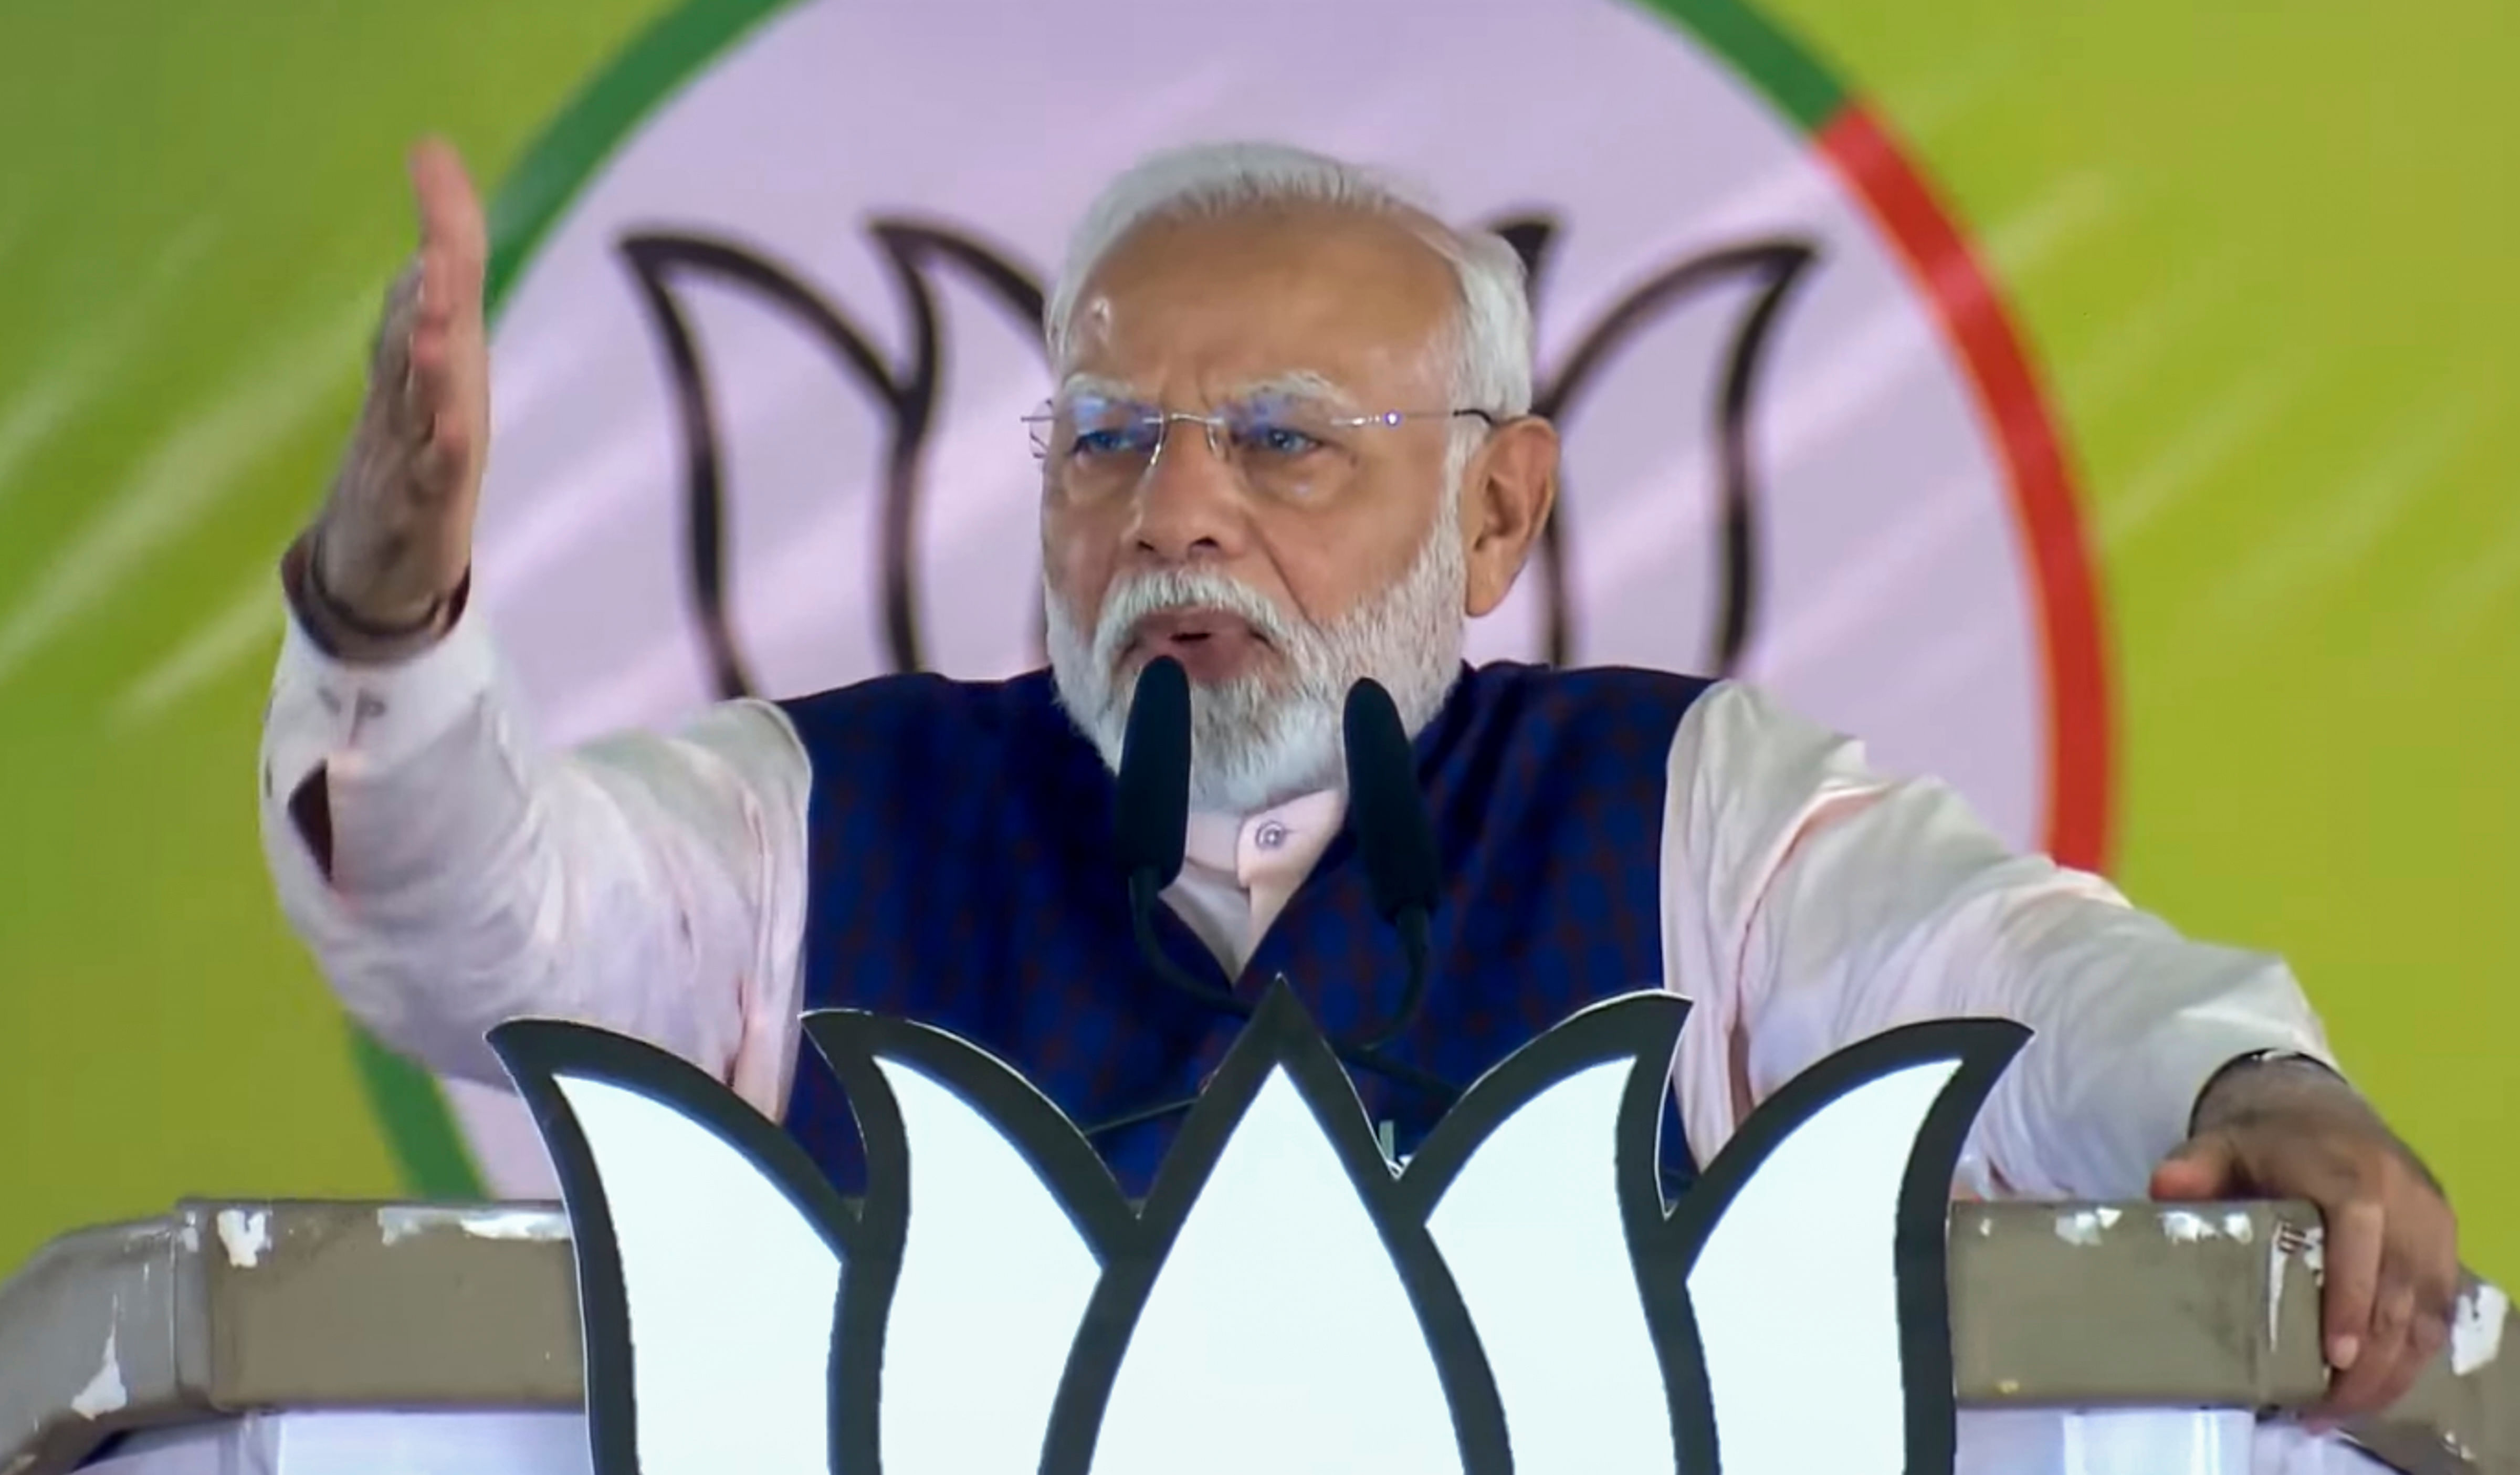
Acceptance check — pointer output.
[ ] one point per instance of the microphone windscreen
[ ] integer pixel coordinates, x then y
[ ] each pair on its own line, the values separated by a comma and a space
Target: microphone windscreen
1393, 832
1151, 812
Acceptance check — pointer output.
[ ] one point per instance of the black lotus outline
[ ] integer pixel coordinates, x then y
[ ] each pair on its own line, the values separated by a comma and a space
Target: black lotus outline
906, 393
1129, 1244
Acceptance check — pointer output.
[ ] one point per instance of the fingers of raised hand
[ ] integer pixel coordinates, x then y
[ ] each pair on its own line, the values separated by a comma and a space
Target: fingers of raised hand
454, 234
419, 437
396, 401
439, 388
429, 393
446, 397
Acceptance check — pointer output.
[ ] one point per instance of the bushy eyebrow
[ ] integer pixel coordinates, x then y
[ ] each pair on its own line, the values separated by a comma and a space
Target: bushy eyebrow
1299, 384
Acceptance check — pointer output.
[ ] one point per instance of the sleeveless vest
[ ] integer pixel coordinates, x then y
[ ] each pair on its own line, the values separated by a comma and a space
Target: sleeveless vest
962, 873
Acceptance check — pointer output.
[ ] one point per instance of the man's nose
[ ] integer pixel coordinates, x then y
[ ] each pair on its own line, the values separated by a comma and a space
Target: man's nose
1190, 503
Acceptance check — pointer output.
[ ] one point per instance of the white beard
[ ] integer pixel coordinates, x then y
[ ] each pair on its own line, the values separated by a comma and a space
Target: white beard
1265, 738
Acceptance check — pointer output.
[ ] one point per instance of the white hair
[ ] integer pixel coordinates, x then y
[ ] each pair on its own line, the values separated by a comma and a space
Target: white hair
1490, 343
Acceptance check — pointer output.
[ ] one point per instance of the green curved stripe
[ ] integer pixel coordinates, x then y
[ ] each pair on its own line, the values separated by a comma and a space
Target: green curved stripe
594, 125
417, 1122
1766, 55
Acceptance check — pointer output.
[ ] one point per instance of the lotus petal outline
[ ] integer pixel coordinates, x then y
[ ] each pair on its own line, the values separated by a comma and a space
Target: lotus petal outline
1520, 1297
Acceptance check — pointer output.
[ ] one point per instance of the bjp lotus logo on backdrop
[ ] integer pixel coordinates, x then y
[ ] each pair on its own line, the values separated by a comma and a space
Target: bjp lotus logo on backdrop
907, 397
767, 320
1519, 1299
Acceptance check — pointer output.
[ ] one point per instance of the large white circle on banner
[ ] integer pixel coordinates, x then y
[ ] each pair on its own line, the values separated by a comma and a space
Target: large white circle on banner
764, 340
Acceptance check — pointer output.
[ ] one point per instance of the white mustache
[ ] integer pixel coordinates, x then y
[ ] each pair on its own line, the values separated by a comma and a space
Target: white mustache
1162, 592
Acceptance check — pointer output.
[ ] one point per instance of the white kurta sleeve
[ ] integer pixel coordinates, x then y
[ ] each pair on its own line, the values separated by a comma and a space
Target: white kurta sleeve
449, 874
1809, 902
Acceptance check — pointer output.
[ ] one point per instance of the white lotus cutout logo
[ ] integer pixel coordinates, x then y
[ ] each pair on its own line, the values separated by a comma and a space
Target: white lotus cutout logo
1520, 1297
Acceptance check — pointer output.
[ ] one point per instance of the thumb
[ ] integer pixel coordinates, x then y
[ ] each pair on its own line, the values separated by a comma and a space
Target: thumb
2203, 1167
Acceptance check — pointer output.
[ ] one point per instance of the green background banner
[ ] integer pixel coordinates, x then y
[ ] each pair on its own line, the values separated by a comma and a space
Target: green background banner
2260, 259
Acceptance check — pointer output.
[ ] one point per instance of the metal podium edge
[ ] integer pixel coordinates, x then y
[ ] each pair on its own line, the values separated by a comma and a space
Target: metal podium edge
227, 1308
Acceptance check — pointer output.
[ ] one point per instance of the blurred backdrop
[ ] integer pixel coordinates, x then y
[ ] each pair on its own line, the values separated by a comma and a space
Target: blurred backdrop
2119, 398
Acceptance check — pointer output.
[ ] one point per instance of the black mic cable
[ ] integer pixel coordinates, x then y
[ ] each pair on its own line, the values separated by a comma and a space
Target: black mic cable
1150, 821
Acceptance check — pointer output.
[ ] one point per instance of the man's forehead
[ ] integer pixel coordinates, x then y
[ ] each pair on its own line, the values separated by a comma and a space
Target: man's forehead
1285, 239
1356, 303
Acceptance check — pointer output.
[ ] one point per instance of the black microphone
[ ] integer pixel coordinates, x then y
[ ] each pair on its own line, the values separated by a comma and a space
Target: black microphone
1151, 812
1395, 836
1151, 809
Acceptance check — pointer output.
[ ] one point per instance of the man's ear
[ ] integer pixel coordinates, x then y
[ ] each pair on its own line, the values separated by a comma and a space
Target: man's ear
1511, 486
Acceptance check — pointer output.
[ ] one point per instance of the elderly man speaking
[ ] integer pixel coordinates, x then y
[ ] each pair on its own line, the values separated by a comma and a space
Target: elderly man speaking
1291, 448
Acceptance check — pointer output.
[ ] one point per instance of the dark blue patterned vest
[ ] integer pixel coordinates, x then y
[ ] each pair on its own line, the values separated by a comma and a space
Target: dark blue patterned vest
963, 874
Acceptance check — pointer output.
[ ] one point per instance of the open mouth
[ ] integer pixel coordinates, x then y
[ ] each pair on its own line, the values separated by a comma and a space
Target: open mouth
1192, 628
1211, 643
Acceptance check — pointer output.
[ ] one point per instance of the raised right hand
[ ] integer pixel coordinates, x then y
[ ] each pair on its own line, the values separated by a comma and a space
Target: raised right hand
396, 536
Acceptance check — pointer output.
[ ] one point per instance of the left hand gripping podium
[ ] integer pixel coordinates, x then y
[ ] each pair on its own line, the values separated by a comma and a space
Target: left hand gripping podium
1519, 1296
